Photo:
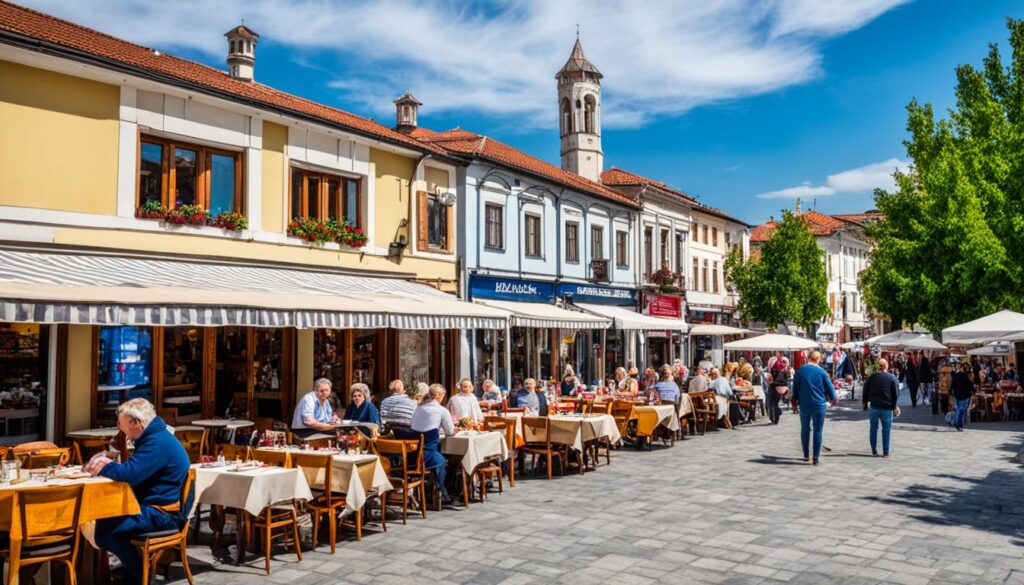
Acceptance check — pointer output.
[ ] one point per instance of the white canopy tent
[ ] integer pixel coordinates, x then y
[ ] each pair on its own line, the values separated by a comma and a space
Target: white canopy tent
772, 342
828, 329
712, 329
852, 345
892, 338
1001, 326
996, 348
920, 343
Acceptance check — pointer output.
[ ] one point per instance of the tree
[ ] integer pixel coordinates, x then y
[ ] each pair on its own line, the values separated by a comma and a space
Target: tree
951, 245
787, 282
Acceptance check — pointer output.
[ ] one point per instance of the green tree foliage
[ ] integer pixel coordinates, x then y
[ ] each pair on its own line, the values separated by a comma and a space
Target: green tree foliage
787, 282
951, 246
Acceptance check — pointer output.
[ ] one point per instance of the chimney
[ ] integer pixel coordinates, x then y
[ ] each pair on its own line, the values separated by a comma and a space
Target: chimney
406, 110
242, 52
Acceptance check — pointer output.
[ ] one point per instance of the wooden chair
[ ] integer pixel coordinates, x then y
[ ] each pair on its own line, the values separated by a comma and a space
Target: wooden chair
170, 415
193, 442
84, 449
152, 545
705, 410
40, 458
278, 458
234, 452
508, 426
491, 467
42, 539
545, 448
326, 501
521, 409
280, 515
406, 472
585, 405
622, 410
603, 407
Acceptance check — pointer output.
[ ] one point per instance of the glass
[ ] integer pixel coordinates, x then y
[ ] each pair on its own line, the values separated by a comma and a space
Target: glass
333, 198
328, 359
184, 176
571, 246
596, 243
124, 370
297, 180
313, 197
433, 222
24, 361
151, 184
352, 202
267, 363
183, 372
222, 183
414, 356
232, 385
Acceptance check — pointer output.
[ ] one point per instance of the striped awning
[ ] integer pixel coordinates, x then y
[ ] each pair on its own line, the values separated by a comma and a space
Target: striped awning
44, 286
627, 319
543, 315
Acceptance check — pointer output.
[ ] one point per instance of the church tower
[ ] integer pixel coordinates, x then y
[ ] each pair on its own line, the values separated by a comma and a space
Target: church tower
579, 115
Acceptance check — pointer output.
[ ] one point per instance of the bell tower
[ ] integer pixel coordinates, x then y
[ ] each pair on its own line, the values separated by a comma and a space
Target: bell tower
579, 115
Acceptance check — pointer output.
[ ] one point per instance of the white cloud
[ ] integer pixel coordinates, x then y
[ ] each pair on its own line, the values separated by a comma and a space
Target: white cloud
500, 57
859, 180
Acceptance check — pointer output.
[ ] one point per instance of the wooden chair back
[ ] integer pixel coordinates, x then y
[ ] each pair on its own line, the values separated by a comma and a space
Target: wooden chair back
405, 456
538, 424
234, 452
603, 407
84, 449
49, 515
315, 464
193, 442
278, 458
40, 458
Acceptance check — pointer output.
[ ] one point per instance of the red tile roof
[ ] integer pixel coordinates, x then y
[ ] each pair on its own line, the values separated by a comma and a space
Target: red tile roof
616, 177
861, 218
761, 233
75, 41
472, 145
819, 224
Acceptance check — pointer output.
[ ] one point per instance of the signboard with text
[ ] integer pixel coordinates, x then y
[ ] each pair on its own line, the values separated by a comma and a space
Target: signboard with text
663, 306
510, 289
598, 295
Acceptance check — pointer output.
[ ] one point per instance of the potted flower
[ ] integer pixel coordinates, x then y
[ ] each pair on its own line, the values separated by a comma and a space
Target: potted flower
311, 230
187, 215
231, 221
151, 209
664, 278
350, 235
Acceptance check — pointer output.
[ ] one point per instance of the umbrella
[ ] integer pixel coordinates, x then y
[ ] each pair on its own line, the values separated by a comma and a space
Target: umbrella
852, 345
892, 339
1001, 326
772, 342
827, 329
924, 343
712, 329
995, 348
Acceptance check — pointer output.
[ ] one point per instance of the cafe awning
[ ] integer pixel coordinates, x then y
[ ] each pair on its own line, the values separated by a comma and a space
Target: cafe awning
712, 329
772, 342
1001, 326
543, 315
626, 319
61, 286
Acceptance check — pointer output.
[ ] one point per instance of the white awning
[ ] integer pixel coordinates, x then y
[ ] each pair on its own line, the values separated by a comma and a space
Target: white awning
1001, 326
995, 348
627, 319
918, 342
827, 329
892, 338
772, 342
712, 329
107, 289
543, 315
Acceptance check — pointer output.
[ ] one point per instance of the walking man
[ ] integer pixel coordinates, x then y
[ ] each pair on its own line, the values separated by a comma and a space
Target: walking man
812, 390
962, 389
911, 379
881, 391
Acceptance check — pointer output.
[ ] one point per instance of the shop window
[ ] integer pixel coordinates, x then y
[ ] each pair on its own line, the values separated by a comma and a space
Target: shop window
268, 365
123, 370
622, 249
232, 396
182, 384
532, 235
24, 365
414, 356
572, 242
176, 174
494, 226
329, 350
596, 243
435, 222
324, 196
364, 361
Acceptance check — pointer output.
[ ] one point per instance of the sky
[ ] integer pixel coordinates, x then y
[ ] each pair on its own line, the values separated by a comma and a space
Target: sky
744, 104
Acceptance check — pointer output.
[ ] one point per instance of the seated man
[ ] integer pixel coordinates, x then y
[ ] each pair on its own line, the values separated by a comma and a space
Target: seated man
397, 408
313, 413
720, 386
464, 404
536, 403
156, 471
428, 419
492, 394
698, 383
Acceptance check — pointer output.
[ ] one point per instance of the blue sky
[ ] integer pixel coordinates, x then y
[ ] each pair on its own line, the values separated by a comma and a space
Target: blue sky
742, 103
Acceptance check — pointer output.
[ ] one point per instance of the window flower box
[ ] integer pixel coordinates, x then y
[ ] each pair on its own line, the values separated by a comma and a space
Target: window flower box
187, 215
150, 210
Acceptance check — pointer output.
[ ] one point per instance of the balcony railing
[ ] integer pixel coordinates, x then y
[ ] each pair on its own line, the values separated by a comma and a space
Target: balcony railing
599, 271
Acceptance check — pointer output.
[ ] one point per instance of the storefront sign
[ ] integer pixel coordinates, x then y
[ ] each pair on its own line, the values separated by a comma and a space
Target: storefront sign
599, 295
510, 289
663, 306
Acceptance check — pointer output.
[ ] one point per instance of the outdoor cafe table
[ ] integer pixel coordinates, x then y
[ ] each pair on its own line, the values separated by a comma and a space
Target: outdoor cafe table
251, 490
370, 476
229, 425
374, 430
576, 429
685, 404
648, 418
475, 447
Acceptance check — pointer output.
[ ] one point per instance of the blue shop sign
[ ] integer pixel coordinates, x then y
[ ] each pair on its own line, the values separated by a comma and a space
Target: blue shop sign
510, 289
598, 295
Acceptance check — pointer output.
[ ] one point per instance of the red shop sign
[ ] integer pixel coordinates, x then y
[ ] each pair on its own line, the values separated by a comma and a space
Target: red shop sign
663, 306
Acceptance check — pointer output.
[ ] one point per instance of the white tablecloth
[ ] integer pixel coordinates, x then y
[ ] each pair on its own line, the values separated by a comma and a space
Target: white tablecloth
371, 475
576, 429
251, 490
723, 405
685, 404
475, 447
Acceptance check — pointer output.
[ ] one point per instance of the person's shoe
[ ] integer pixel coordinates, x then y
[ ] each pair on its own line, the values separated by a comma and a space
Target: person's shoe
807, 458
815, 462
885, 455
874, 453
961, 429
447, 500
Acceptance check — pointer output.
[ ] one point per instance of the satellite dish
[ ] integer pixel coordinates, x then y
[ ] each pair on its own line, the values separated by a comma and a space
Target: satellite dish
447, 198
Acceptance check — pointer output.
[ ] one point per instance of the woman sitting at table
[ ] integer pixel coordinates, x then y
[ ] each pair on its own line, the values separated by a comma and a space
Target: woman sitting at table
428, 420
625, 387
464, 404
361, 409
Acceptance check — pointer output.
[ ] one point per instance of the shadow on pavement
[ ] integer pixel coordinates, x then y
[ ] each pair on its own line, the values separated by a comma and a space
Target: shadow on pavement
774, 460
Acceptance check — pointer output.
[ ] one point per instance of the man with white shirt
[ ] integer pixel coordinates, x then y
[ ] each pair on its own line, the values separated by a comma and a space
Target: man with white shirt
314, 414
464, 404
428, 419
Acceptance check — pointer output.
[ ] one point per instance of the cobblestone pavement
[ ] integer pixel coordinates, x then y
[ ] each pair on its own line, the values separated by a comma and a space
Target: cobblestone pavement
730, 507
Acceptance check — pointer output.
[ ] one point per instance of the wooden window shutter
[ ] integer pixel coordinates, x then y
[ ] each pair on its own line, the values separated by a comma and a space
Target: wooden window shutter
422, 221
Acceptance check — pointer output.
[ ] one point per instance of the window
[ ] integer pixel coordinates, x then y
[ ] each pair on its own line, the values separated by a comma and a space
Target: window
694, 230
622, 249
705, 234
572, 242
124, 360
704, 276
714, 237
566, 117
589, 108
322, 196
680, 252
648, 252
714, 277
596, 243
434, 223
696, 274
176, 174
665, 250
494, 224
532, 235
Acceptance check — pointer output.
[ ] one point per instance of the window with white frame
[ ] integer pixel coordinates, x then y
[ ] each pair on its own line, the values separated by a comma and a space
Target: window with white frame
494, 226
572, 242
532, 235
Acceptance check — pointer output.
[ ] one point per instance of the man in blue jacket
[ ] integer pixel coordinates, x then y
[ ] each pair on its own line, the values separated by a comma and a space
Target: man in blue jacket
812, 390
536, 403
156, 471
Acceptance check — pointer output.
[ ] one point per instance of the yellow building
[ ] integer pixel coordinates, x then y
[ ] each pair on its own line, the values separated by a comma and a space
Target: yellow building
190, 235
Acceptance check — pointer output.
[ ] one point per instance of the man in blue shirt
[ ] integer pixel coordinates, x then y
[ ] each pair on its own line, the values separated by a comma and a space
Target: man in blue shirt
313, 413
536, 403
812, 390
156, 472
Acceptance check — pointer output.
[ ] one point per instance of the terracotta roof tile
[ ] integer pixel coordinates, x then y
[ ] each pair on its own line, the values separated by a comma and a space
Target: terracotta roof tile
463, 142
860, 218
819, 224
114, 51
622, 178
761, 233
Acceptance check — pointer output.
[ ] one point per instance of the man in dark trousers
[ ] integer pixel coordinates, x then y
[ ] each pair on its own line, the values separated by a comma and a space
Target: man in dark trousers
926, 378
812, 390
881, 391
911, 378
